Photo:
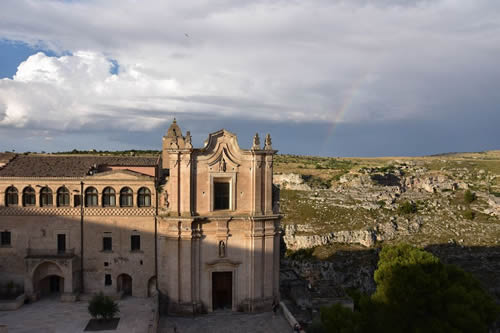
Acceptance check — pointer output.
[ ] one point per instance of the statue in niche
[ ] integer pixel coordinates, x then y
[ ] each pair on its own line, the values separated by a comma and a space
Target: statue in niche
222, 249
268, 143
222, 165
256, 142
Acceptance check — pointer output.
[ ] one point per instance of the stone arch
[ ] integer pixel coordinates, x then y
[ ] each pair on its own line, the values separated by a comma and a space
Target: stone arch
152, 291
48, 278
124, 284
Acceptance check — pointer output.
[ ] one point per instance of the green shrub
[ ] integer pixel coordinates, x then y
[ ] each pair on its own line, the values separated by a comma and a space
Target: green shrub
103, 306
469, 214
407, 207
301, 254
469, 196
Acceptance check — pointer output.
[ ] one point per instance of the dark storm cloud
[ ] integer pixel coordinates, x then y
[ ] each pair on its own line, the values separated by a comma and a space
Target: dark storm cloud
316, 73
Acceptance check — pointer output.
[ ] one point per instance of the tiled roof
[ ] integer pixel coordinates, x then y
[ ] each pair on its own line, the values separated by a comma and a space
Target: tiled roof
66, 166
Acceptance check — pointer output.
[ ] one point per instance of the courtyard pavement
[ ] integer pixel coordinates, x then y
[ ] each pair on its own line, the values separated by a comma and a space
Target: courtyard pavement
226, 322
54, 316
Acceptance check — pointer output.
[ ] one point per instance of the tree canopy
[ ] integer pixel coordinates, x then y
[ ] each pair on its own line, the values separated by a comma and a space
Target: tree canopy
416, 293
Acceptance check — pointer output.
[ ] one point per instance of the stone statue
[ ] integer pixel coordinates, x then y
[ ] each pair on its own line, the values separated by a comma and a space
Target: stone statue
188, 140
268, 143
222, 165
256, 142
222, 249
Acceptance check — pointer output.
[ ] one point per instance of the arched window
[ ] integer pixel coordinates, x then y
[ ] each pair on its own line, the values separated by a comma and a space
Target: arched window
45, 197
29, 196
108, 197
62, 197
126, 197
91, 197
11, 196
144, 197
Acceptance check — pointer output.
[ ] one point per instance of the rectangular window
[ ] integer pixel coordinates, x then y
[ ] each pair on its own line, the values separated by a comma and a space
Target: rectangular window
107, 244
107, 280
221, 196
61, 243
5, 238
135, 241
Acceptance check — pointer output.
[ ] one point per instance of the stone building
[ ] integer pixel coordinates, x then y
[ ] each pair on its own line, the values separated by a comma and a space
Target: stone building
198, 225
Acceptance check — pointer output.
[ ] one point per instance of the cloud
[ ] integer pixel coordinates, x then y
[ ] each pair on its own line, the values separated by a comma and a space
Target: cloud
315, 62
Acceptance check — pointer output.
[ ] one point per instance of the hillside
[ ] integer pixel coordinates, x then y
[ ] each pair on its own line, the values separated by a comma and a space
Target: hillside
338, 212
362, 201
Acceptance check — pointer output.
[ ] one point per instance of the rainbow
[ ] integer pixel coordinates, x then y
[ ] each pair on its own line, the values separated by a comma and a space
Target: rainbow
346, 104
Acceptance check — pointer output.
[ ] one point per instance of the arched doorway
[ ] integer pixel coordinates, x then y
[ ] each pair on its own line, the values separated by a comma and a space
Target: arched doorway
124, 283
152, 287
48, 279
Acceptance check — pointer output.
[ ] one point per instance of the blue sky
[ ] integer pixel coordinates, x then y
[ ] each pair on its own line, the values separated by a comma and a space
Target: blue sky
335, 78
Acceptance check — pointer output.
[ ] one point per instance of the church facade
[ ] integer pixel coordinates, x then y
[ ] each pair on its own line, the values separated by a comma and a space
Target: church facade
199, 226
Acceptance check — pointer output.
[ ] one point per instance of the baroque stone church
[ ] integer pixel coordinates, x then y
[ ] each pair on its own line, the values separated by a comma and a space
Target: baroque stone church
199, 226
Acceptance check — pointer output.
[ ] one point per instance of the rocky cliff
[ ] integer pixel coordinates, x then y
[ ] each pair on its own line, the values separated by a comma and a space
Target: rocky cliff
340, 211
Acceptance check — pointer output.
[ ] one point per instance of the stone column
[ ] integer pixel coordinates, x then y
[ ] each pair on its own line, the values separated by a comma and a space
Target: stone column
173, 185
185, 274
268, 185
268, 256
185, 178
257, 167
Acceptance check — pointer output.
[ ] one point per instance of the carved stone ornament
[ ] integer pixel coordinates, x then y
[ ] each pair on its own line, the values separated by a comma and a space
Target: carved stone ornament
188, 140
256, 142
268, 142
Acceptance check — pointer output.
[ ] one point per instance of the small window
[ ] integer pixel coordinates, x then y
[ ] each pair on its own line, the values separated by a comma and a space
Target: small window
221, 196
107, 244
91, 197
107, 280
29, 197
144, 197
45, 197
5, 238
62, 197
11, 196
108, 197
135, 241
61, 243
126, 197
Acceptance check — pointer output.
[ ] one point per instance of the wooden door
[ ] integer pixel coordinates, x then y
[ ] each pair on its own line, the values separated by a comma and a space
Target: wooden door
222, 290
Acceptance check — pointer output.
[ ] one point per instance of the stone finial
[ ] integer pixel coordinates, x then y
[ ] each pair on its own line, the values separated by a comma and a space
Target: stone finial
268, 143
256, 142
188, 140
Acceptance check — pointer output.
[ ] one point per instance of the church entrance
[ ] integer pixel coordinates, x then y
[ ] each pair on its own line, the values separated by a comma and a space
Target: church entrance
222, 290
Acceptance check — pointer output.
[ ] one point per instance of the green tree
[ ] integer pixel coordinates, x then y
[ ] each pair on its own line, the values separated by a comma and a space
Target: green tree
103, 306
407, 207
417, 293
469, 196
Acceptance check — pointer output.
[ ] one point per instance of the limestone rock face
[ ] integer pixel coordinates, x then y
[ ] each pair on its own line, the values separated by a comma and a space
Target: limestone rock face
366, 237
291, 181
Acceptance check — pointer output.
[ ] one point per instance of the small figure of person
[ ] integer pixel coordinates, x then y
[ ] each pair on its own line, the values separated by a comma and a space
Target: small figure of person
296, 328
275, 307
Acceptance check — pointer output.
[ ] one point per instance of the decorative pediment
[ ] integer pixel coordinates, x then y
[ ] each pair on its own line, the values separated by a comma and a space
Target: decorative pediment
222, 162
222, 152
119, 174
